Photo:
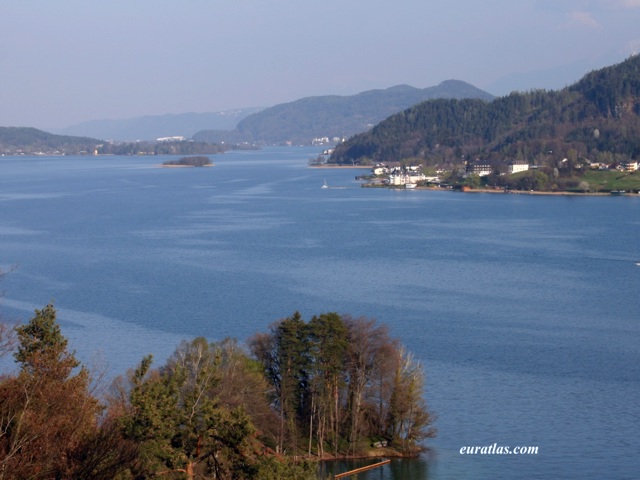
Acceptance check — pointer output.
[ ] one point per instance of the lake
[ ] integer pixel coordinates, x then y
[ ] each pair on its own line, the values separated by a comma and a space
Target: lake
523, 309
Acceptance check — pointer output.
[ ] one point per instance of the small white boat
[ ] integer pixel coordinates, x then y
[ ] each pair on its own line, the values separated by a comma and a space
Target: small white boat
324, 185
409, 186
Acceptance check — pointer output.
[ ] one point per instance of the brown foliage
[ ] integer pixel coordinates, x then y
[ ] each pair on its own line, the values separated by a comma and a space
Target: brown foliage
49, 420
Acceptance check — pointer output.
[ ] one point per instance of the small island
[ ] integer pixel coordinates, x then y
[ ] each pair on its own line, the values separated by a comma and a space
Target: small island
197, 161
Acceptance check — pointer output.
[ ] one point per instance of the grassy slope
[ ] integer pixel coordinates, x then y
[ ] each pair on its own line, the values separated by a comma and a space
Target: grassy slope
612, 180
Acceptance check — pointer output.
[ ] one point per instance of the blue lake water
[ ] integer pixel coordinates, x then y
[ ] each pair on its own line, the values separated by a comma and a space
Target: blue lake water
523, 309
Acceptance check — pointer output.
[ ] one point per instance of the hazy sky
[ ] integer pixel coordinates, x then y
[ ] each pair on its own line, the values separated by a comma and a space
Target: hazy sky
67, 61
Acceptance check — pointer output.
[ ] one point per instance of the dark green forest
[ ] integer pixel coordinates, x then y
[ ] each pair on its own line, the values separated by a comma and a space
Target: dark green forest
597, 117
301, 392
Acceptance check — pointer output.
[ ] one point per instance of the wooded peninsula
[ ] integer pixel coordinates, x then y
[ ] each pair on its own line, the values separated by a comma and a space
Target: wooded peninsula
303, 391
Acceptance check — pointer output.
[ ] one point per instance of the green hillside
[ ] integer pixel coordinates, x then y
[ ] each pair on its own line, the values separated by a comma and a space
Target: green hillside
330, 116
596, 119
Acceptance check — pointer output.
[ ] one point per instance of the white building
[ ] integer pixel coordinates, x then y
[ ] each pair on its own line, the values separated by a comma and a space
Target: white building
176, 138
406, 178
480, 169
518, 166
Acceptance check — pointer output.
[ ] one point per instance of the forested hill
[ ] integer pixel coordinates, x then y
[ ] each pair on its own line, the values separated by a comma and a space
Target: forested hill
331, 116
597, 118
26, 140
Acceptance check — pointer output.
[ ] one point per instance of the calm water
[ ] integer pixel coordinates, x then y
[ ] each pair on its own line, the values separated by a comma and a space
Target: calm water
523, 309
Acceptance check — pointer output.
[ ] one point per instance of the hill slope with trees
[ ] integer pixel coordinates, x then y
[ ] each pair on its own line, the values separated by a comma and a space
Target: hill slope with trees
596, 118
331, 116
26, 140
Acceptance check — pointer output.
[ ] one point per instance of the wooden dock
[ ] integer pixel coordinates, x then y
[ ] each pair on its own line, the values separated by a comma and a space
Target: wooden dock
362, 469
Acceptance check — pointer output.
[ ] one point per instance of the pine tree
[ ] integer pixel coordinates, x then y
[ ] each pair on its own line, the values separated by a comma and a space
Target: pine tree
284, 356
48, 412
328, 336
43, 348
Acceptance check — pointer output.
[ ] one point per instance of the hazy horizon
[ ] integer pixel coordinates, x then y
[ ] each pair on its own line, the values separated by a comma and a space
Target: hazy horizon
65, 64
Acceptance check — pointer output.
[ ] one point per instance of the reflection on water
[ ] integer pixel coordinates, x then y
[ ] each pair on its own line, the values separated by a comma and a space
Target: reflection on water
398, 469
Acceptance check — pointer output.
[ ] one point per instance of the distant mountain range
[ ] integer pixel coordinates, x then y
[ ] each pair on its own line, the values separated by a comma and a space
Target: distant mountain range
333, 116
596, 118
297, 122
151, 127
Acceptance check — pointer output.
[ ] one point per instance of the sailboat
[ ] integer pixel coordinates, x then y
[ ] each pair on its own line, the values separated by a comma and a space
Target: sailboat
324, 185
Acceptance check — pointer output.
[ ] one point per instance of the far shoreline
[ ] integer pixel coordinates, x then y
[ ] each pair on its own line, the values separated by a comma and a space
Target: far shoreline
345, 167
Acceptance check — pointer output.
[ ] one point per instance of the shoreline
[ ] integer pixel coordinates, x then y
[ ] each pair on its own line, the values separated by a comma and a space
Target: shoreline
535, 192
383, 452
519, 192
560, 193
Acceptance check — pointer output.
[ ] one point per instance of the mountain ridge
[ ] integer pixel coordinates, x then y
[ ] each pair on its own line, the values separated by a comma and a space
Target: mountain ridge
302, 120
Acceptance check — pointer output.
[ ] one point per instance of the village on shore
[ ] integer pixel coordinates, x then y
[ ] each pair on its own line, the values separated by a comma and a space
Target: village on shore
484, 177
